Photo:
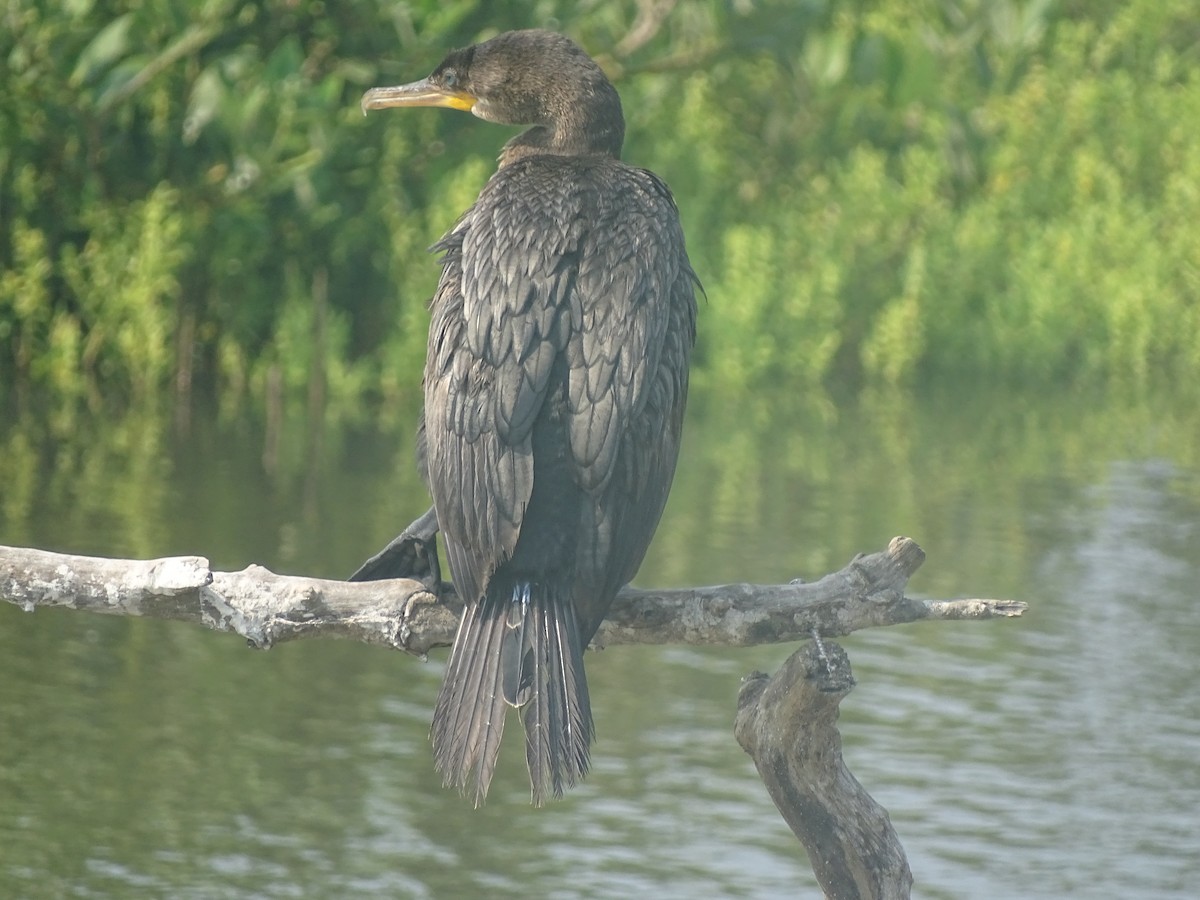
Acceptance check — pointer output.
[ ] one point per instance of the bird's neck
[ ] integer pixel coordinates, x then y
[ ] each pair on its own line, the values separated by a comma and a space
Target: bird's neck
598, 135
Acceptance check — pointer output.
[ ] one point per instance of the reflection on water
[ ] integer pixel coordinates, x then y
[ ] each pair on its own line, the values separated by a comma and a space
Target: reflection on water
1045, 757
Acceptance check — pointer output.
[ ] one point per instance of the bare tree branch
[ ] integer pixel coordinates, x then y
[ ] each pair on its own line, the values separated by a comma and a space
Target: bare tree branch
267, 608
650, 17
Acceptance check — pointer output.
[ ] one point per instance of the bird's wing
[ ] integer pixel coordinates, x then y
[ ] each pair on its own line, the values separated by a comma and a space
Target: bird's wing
496, 333
629, 371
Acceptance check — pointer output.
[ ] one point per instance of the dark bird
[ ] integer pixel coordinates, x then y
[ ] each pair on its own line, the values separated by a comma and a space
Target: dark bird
555, 384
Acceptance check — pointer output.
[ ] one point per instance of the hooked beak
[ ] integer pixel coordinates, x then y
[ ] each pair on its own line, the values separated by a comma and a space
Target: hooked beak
419, 93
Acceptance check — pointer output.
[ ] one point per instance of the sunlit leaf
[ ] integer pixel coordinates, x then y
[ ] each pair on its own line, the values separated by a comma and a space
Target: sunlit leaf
109, 45
208, 91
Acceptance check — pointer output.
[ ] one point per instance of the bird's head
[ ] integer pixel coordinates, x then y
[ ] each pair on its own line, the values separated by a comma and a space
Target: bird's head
534, 77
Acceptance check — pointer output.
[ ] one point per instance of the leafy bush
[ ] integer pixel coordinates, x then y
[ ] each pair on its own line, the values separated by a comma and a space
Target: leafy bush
994, 190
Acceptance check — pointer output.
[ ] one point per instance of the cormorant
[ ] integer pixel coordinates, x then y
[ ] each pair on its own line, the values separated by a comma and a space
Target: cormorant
555, 384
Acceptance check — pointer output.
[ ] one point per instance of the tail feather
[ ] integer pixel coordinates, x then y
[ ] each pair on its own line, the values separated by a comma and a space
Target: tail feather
516, 663
580, 729
541, 719
468, 719
520, 646
558, 721
485, 714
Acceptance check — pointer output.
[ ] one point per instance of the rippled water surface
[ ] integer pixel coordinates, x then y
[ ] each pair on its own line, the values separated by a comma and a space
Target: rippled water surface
1050, 756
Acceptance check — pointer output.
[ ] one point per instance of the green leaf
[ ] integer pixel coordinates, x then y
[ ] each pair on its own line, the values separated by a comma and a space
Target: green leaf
108, 46
208, 91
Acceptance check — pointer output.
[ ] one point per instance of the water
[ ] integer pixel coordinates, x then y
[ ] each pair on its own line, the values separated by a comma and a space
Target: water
1049, 756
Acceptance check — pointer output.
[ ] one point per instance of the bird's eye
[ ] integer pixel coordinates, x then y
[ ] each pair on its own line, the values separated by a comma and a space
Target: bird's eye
450, 78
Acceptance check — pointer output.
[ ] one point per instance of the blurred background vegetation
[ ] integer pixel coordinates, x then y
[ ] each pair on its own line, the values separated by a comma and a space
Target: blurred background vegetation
952, 258
874, 193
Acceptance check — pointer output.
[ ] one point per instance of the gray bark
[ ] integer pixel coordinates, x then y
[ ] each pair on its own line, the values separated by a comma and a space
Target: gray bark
788, 725
266, 608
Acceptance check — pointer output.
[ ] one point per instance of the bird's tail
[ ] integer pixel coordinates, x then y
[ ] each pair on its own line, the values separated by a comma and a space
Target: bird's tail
520, 646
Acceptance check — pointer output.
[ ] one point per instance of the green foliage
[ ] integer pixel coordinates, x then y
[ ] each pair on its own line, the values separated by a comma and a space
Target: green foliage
1006, 193
872, 194
124, 279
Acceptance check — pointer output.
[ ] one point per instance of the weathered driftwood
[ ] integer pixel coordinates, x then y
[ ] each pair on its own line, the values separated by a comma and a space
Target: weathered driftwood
786, 723
266, 608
